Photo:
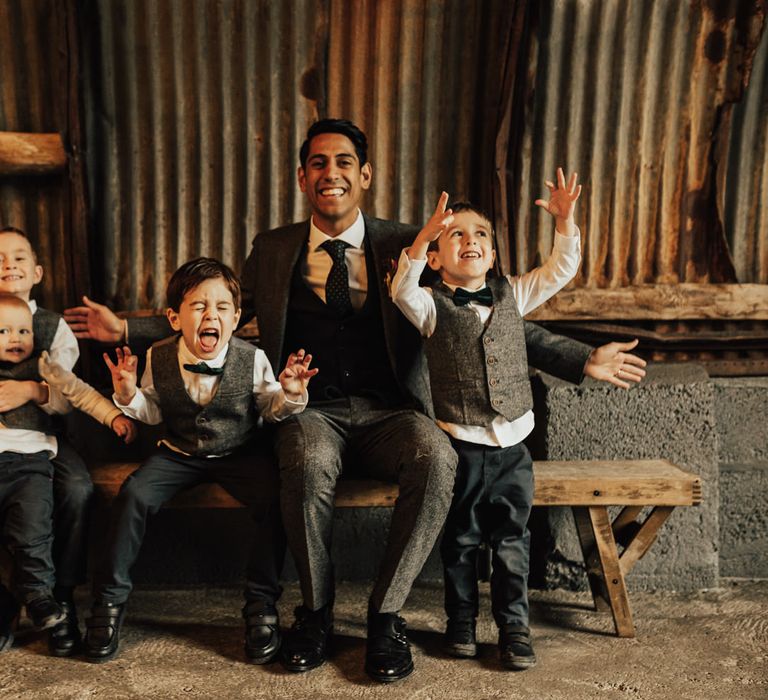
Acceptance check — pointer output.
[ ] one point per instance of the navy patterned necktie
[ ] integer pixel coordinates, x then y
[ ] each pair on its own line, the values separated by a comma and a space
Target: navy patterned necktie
337, 284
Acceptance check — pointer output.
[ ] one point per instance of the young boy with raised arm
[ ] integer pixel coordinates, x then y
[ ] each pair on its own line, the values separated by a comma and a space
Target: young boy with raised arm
211, 390
475, 347
27, 446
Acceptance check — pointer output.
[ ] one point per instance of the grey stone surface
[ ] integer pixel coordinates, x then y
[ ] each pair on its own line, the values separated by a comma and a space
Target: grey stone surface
741, 407
670, 415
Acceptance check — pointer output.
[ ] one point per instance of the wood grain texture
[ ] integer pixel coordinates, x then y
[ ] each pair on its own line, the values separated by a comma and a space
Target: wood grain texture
31, 154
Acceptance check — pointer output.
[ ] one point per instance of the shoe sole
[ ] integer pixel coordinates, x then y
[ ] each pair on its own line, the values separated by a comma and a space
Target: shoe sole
63, 653
261, 660
519, 663
461, 651
390, 679
100, 659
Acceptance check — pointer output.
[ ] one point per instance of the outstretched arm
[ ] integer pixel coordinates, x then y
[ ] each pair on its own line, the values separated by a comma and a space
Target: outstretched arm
614, 364
562, 202
98, 322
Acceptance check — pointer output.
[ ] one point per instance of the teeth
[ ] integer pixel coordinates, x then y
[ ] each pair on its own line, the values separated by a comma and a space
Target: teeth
332, 192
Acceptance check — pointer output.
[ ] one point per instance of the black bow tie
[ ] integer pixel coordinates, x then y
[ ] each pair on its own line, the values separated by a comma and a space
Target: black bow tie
482, 296
203, 368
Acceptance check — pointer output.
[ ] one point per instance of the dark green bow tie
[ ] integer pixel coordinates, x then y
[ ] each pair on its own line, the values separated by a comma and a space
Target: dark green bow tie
482, 296
203, 368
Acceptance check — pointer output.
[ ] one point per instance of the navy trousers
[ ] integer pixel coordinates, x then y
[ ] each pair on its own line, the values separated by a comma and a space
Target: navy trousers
492, 499
26, 509
250, 476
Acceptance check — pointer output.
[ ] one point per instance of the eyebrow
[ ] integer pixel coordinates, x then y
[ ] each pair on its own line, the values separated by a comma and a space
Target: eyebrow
334, 155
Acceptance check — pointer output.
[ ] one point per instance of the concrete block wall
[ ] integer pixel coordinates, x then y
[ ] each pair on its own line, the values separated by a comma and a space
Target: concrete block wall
741, 409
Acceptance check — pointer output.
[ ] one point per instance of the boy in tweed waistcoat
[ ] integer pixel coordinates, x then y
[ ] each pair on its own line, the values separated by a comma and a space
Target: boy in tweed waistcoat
475, 348
211, 390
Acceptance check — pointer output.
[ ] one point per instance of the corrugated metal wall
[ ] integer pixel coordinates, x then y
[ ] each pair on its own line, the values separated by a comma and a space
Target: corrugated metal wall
631, 94
35, 50
745, 187
196, 111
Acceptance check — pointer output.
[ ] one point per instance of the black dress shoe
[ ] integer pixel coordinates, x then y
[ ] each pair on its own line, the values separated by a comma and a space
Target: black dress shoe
64, 639
262, 631
102, 631
9, 617
515, 647
306, 644
387, 654
45, 612
460, 638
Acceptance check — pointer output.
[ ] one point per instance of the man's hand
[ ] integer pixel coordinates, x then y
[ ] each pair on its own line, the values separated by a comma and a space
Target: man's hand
95, 321
562, 201
296, 375
15, 393
125, 428
437, 223
123, 374
612, 363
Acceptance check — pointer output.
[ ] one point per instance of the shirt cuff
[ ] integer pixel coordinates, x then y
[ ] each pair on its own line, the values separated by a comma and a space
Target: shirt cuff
410, 266
136, 403
568, 244
301, 403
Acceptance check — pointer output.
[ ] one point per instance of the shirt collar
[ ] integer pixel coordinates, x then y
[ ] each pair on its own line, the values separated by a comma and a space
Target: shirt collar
354, 235
188, 357
32, 306
454, 287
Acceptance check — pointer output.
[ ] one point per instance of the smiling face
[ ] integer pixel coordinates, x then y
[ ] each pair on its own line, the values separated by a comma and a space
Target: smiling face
464, 251
16, 337
19, 271
334, 181
206, 318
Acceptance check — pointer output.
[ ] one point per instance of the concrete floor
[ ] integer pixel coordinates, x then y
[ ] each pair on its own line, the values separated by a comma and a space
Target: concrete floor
187, 644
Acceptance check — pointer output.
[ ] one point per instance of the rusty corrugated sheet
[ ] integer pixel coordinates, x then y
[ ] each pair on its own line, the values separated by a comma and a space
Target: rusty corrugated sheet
34, 54
195, 116
631, 94
746, 176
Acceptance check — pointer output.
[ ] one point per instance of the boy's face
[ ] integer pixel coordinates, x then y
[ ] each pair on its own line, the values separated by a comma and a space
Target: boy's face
206, 318
465, 251
334, 181
18, 271
16, 337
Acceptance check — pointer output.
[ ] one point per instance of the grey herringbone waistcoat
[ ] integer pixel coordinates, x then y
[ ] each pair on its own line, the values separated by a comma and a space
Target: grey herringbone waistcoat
477, 373
28, 416
223, 425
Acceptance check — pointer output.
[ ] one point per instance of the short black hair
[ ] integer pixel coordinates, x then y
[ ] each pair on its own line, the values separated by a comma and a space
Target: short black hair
336, 126
19, 232
457, 207
195, 272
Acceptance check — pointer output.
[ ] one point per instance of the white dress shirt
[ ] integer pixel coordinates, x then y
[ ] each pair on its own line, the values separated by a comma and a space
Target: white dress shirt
317, 264
530, 290
271, 401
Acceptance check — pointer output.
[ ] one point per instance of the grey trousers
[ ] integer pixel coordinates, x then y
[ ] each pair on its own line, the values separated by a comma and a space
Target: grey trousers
400, 446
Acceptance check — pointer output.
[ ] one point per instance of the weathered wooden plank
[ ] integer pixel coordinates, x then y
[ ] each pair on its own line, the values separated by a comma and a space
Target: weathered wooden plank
658, 302
591, 559
582, 483
644, 538
31, 154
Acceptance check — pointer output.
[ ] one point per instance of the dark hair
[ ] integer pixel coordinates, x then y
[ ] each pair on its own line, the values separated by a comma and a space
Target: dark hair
19, 232
457, 207
195, 272
336, 126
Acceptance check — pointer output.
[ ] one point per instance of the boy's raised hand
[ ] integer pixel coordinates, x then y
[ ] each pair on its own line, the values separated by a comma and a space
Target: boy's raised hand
125, 428
431, 231
296, 375
95, 321
562, 201
123, 374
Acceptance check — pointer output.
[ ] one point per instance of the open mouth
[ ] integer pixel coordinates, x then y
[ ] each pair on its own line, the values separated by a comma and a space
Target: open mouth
11, 278
209, 339
15, 354
470, 255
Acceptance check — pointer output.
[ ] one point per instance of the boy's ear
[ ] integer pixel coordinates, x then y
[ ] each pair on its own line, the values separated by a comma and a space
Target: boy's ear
237, 317
38, 274
173, 319
433, 261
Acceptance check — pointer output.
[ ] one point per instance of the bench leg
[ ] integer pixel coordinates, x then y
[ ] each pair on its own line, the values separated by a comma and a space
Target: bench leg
646, 535
591, 559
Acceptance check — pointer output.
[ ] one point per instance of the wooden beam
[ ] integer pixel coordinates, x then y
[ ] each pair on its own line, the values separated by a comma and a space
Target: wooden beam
658, 302
31, 154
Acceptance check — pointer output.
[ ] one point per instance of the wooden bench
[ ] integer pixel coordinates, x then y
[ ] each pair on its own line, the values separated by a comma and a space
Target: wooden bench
588, 487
